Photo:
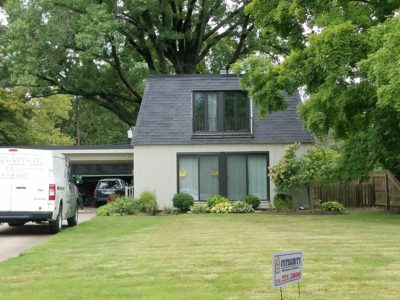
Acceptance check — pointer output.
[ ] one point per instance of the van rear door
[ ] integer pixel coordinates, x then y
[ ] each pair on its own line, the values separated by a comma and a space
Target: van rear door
5, 180
30, 181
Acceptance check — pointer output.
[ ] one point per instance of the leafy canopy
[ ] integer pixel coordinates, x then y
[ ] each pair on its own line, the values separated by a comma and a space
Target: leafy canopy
33, 121
91, 124
344, 54
104, 50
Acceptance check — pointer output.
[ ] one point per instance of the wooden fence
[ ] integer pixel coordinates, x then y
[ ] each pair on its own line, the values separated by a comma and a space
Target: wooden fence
348, 194
387, 189
382, 189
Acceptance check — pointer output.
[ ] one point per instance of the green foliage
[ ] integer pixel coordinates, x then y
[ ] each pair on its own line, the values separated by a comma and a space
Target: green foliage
121, 206
14, 116
283, 202
33, 121
347, 64
216, 199
47, 119
148, 202
332, 206
260, 78
94, 124
200, 209
253, 200
284, 174
183, 201
221, 208
241, 207
105, 50
319, 165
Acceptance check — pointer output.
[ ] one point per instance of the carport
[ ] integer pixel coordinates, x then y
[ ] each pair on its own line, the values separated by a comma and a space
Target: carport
94, 162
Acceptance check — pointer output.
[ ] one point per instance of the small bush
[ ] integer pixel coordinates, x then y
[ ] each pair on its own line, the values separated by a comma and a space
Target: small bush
221, 208
241, 207
148, 202
130, 206
121, 206
103, 211
183, 201
332, 206
214, 200
253, 200
200, 209
283, 202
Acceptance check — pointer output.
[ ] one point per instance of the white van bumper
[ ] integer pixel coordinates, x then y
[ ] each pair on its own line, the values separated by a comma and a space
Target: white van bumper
18, 216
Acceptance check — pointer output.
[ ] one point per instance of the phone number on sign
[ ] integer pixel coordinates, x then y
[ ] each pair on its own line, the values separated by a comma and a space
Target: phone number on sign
291, 276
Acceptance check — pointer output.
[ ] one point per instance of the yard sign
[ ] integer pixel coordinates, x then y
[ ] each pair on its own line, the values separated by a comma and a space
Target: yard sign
287, 268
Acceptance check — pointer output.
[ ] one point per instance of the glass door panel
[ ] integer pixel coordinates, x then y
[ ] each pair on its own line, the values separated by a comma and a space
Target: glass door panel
257, 169
209, 177
236, 181
189, 176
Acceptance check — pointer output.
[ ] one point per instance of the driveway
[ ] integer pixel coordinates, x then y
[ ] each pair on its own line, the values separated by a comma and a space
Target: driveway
14, 240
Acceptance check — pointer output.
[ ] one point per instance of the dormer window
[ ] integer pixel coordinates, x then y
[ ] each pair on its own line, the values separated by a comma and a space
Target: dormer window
222, 111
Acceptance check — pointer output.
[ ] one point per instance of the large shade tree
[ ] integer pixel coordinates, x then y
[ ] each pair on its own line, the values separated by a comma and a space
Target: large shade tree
91, 124
33, 121
104, 50
345, 55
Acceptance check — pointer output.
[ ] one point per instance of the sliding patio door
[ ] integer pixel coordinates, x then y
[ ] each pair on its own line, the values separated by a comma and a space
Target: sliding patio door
233, 175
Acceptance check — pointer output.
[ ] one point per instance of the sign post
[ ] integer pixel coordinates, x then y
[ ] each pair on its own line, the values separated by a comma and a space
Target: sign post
287, 268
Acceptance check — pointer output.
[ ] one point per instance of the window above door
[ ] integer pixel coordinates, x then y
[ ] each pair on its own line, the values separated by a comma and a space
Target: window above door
221, 112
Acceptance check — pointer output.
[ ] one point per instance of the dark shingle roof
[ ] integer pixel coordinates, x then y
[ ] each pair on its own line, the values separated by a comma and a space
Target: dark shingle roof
73, 147
165, 116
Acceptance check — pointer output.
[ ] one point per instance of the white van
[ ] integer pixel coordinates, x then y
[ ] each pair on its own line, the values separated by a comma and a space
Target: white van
36, 185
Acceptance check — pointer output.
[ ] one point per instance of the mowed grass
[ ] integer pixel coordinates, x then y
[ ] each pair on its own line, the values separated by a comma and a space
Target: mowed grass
353, 256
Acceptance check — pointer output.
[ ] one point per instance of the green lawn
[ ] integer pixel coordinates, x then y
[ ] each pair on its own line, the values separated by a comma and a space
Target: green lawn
353, 256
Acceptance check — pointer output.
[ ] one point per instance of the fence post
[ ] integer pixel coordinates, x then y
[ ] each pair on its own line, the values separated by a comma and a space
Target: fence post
387, 191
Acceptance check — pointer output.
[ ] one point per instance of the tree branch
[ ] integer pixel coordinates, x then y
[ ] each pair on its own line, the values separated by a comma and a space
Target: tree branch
228, 19
74, 9
241, 43
216, 39
200, 28
119, 70
144, 52
153, 37
187, 23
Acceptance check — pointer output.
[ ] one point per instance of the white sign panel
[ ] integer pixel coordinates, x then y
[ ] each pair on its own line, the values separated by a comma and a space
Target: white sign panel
287, 268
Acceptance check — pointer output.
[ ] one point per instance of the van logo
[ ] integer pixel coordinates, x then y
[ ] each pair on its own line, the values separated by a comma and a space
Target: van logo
60, 188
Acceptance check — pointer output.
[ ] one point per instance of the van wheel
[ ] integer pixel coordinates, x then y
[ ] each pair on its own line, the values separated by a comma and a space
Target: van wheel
56, 225
74, 219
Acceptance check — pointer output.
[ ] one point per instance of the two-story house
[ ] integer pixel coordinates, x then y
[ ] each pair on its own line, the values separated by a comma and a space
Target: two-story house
200, 134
